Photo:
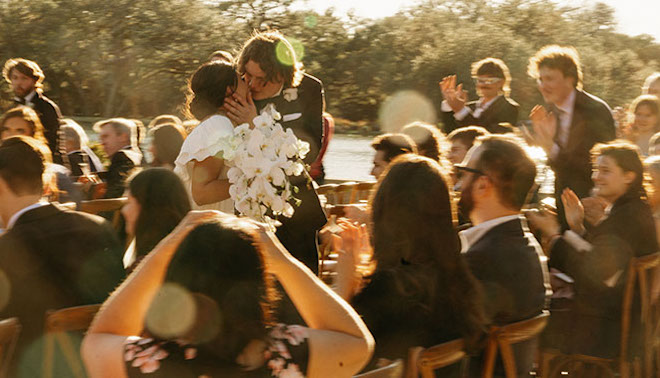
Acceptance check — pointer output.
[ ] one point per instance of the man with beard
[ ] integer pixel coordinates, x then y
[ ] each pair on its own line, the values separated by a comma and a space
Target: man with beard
494, 180
26, 79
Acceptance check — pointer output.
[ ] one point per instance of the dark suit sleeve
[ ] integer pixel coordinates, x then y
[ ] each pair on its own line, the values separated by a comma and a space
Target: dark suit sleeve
313, 117
49, 114
120, 167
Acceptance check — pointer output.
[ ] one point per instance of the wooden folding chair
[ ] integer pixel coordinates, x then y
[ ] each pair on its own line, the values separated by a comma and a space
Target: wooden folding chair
58, 323
362, 191
9, 331
502, 338
102, 205
344, 192
328, 191
425, 361
640, 270
393, 370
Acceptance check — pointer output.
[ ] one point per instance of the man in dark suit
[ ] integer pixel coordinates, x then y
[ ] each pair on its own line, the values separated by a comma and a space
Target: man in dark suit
50, 257
572, 122
494, 106
503, 255
26, 79
119, 139
274, 75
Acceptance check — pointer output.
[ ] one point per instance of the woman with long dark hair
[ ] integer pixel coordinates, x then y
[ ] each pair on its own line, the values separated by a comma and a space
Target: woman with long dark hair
157, 201
200, 163
204, 296
421, 292
166, 142
596, 253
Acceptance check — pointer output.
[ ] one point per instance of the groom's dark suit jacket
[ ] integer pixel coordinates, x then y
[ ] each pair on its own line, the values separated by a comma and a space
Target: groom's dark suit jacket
54, 258
503, 109
510, 264
302, 113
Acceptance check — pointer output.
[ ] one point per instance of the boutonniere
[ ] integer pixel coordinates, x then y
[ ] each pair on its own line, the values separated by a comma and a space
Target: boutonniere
290, 94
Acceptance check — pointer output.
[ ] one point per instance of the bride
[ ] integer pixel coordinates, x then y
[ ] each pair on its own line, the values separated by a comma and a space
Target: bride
200, 163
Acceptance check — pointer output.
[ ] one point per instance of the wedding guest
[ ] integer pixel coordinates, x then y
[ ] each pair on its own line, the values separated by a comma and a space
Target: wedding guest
50, 257
429, 140
652, 84
26, 79
494, 181
140, 133
572, 121
645, 111
119, 139
597, 257
200, 164
652, 169
163, 119
224, 266
421, 292
388, 146
274, 75
222, 56
75, 143
156, 203
166, 142
462, 140
654, 144
493, 80
24, 121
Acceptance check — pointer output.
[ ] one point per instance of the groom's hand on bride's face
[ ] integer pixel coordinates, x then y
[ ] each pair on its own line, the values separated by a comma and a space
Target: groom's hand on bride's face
240, 110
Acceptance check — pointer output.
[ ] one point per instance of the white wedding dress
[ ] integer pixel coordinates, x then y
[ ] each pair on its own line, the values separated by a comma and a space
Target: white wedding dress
209, 138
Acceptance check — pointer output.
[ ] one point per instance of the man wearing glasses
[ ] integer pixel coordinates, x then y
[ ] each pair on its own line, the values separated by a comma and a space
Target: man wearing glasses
492, 81
495, 179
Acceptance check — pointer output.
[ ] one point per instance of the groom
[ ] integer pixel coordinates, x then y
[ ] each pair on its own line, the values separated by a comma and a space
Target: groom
269, 66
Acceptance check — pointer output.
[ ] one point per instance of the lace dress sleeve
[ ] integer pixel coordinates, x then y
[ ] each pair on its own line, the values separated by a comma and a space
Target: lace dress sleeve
287, 353
212, 137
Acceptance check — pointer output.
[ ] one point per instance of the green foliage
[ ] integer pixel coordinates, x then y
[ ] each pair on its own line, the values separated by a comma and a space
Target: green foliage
133, 57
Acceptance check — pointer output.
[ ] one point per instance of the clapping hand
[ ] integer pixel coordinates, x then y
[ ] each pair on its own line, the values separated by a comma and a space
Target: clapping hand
455, 96
546, 222
240, 110
545, 126
351, 241
594, 209
574, 211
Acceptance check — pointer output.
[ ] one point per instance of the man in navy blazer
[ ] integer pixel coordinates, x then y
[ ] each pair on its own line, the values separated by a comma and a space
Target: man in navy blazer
571, 122
495, 179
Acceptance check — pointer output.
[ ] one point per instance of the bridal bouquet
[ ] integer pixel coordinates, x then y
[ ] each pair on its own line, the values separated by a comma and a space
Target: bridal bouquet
260, 162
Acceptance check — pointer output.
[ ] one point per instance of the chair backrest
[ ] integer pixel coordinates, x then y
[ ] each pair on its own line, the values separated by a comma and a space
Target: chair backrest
393, 370
344, 191
436, 357
101, 205
640, 269
501, 338
9, 331
58, 323
328, 191
362, 191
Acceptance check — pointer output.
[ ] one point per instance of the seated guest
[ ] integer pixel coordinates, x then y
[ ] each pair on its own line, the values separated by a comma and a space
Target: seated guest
652, 84
421, 292
494, 106
157, 201
76, 148
645, 111
495, 180
140, 132
50, 257
462, 140
389, 146
429, 140
119, 139
163, 119
597, 256
24, 121
222, 267
654, 144
166, 143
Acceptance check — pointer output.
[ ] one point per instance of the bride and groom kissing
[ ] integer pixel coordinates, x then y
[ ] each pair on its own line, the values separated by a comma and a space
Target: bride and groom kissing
223, 95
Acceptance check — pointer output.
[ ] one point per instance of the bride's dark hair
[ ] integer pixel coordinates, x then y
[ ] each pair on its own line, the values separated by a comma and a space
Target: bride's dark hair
207, 89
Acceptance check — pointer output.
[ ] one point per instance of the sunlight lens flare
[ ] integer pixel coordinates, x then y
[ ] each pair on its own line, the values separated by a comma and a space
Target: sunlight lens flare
283, 51
172, 313
404, 107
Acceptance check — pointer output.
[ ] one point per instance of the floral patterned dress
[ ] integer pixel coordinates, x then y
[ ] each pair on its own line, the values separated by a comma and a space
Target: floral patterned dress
285, 356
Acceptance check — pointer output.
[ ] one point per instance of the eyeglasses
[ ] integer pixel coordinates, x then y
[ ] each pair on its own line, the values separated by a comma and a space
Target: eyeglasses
461, 169
487, 80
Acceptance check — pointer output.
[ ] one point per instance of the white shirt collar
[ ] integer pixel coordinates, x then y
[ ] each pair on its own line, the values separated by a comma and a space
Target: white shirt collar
568, 104
22, 211
472, 235
30, 96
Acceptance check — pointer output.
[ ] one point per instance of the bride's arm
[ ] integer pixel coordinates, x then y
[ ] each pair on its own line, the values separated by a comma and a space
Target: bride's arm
206, 186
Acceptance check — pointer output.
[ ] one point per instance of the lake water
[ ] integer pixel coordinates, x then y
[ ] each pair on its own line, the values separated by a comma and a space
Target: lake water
349, 157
